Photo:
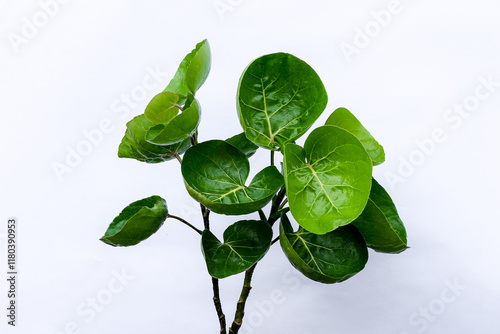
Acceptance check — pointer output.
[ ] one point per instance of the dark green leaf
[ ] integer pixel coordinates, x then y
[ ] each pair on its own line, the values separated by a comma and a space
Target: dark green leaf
135, 146
344, 119
328, 258
245, 243
279, 98
215, 173
163, 107
243, 144
380, 224
328, 181
137, 222
179, 128
192, 72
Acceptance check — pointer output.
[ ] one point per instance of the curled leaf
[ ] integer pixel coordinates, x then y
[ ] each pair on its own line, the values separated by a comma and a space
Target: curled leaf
329, 258
215, 173
245, 243
137, 222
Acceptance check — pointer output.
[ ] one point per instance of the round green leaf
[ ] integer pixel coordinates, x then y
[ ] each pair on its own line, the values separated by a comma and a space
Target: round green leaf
380, 224
344, 119
135, 146
328, 258
179, 128
215, 173
137, 222
245, 243
192, 72
241, 142
279, 98
163, 107
328, 181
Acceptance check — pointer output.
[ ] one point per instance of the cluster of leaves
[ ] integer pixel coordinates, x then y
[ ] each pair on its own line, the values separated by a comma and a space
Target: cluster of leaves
339, 207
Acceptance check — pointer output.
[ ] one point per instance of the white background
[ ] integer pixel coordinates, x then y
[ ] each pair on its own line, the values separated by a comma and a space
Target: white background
70, 73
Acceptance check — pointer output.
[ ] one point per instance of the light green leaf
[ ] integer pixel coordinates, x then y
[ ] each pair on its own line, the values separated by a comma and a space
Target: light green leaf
179, 128
328, 181
137, 222
135, 146
279, 98
344, 119
245, 243
192, 72
215, 173
163, 107
328, 258
380, 224
241, 142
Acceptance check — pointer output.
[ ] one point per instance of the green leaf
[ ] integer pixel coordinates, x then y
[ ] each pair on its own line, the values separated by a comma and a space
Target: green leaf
245, 243
135, 146
192, 72
179, 128
328, 258
279, 98
137, 222
380, 224
241, 142
328, 181
163, 107
344, 119
215, 173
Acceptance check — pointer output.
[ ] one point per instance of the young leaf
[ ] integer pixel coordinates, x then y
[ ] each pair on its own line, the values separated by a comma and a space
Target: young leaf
192, 72
279, 97
328, 181
245, 243
380, 224
137, 222
135, 146
163, 107
241, 142
215, 173
344, 119
179, 128
328, 258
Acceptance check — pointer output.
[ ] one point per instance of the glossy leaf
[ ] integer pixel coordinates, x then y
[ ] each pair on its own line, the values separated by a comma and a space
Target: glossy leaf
380, 224
241, 142
192, 71
344, 119
135, 146
245, 243
329, 258
163, 107
137, 222
215, 173
328, 181
279, 98
179, 128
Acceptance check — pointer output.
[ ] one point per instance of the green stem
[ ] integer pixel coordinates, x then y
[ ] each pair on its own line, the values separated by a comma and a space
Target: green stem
272, 158
205, 213
245, 292
240, 307
215, 282
275, 240
185, 222
218, 306
178, 157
